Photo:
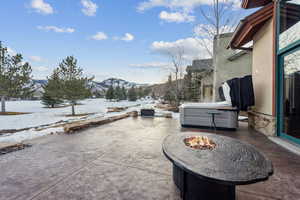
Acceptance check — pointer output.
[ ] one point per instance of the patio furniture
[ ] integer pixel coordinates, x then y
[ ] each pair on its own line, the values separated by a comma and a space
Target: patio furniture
213, 173
147, 112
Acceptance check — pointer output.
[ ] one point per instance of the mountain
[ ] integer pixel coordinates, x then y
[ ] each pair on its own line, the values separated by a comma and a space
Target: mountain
97, 87
122, 83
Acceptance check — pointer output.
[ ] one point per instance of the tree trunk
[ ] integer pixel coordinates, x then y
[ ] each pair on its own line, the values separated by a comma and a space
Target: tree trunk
73, 109
3, 104
177, 89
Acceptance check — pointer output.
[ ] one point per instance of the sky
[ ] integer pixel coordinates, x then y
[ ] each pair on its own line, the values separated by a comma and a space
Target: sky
127, 39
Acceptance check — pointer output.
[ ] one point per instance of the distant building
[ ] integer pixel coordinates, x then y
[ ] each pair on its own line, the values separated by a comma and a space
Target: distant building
229, 63
202, 75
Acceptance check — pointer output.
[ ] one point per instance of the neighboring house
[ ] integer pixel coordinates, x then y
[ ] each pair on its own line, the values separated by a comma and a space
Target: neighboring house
202, 73
229, 63
274, 30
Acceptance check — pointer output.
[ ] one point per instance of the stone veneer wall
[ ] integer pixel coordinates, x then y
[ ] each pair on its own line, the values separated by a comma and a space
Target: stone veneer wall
262, 123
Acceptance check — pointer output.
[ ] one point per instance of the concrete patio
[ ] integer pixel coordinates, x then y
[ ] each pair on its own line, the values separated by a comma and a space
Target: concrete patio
123, 160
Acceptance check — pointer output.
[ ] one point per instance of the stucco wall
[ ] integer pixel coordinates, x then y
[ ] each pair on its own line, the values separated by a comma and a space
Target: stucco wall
226, 69
262, 69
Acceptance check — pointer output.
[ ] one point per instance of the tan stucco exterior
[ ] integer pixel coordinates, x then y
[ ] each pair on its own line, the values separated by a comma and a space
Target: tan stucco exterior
229, 63
262, 69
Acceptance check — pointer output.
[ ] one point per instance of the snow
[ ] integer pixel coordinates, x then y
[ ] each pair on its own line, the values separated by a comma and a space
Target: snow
176, 115
41, 116
28, 135
40, 121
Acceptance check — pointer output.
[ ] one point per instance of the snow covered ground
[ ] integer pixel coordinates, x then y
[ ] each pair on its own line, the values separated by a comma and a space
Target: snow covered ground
28, 135
43, 117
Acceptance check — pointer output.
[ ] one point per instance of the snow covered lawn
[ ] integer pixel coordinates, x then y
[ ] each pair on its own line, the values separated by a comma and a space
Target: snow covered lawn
40, 116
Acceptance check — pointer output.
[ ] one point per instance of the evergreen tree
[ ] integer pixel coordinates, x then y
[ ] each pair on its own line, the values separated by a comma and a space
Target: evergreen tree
140, 92
169, 94
124, 93
75, 85
53, 90
132, 95
118, 93
169, 97
110, 93
15, 77
153, 96
147, 91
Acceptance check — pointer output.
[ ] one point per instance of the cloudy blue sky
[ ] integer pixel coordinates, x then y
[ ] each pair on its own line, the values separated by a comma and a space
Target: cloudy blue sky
110, 38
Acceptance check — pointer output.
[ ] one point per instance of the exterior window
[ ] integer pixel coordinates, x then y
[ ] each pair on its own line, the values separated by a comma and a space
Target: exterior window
291, 94
289, 23
289, 70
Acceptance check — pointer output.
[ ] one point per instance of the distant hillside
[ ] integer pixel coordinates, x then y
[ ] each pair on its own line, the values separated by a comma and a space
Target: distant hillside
97, 87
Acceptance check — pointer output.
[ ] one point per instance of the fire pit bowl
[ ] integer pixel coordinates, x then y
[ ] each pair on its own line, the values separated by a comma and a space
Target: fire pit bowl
209, 166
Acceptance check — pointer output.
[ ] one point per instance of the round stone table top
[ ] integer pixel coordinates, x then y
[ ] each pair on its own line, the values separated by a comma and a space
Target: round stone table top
231, 162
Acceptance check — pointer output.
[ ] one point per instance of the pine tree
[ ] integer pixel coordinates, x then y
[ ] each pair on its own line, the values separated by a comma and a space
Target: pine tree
15, 77
132, 95
110, 93
118, 93
75, 85
140, 93
124, 93
53, 90
153, 96
147, 91
169, 94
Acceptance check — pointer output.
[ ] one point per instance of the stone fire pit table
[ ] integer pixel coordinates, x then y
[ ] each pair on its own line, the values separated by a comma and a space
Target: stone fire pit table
213, 173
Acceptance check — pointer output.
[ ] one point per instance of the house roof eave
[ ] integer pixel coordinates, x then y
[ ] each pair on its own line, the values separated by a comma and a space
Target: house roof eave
247, 4
249, 26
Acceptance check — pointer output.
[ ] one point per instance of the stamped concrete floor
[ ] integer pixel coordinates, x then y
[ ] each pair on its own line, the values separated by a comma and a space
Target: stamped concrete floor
123, 161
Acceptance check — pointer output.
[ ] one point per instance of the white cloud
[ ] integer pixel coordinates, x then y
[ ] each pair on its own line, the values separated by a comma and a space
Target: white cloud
100, 36
35, 58
186, 5
40, 6
152, 65
89, 7
40, 69
173, 4
177, 17
191, 48
127, 37
56, 29
151, 4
